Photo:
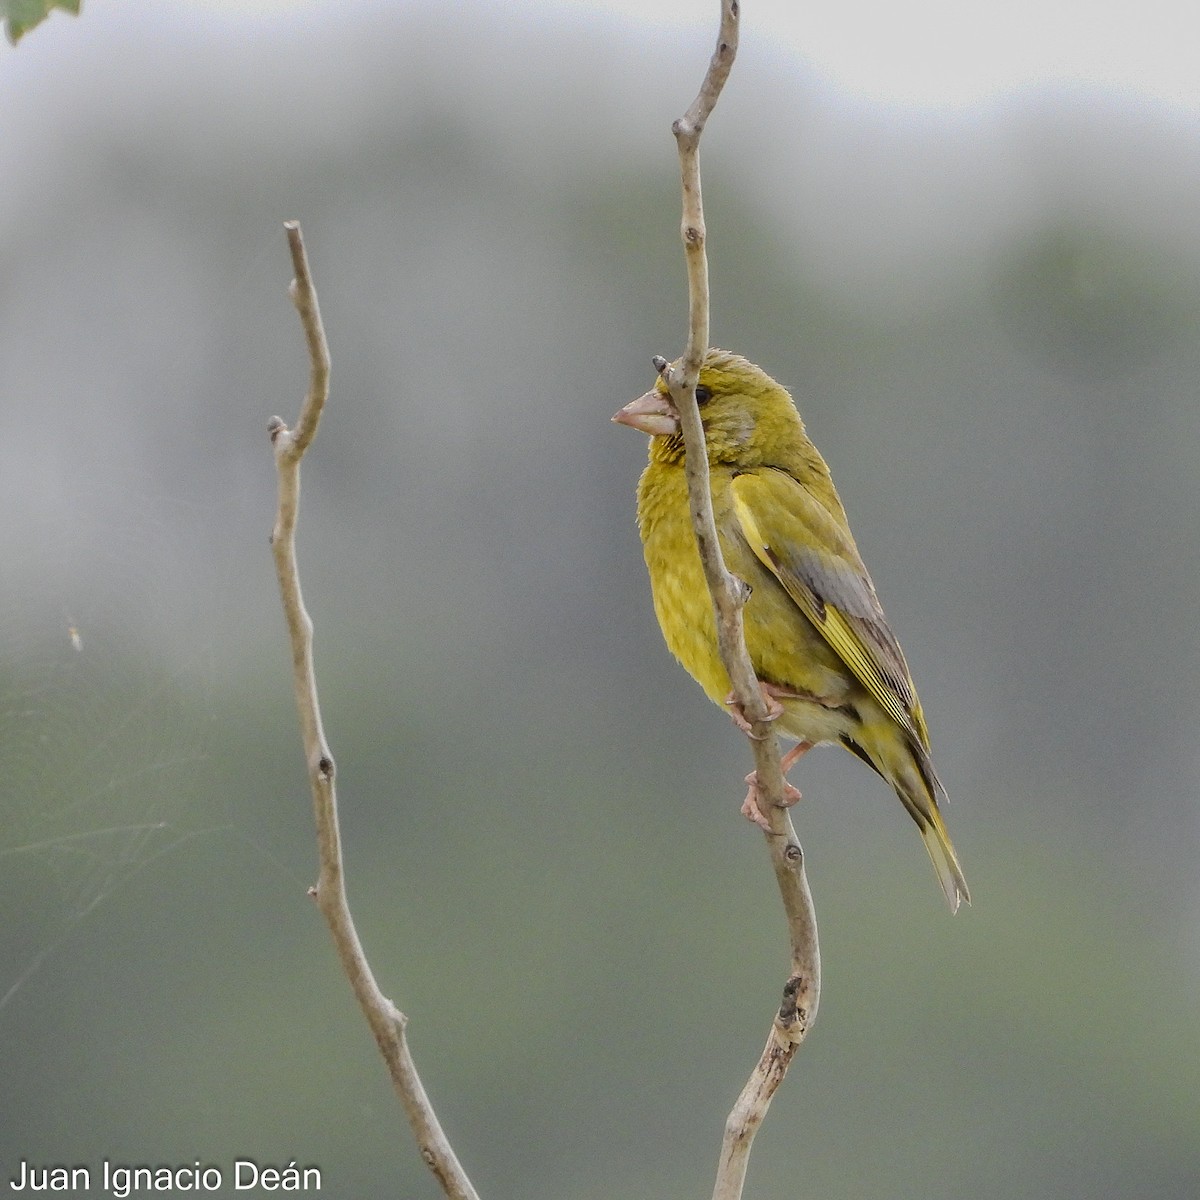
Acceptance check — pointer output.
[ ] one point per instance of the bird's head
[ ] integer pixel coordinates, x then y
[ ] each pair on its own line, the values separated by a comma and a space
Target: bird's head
746, 415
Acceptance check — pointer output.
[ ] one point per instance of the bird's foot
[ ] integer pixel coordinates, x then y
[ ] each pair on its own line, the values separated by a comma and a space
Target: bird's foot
751, 808
771, 698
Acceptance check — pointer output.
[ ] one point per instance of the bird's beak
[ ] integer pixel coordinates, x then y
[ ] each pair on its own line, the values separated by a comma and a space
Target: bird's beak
652, 413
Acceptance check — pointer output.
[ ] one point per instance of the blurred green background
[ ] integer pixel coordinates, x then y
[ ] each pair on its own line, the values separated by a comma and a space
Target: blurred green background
988, 316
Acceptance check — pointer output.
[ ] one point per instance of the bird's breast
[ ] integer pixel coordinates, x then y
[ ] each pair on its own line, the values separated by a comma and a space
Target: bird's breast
681, 598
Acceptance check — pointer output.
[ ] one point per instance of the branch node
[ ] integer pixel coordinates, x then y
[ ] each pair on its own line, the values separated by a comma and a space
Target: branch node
792, 1020
787, 1006
276, 426
325, 768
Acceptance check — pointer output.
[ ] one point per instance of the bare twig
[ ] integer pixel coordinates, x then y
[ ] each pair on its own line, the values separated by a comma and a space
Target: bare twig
802, 991
387, 1023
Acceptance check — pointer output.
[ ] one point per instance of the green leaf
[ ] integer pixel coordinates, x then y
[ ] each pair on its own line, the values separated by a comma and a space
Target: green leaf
20, 16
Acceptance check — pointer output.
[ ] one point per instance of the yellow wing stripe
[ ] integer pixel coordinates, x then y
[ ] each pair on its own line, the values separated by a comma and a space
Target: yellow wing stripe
828, 619
860, 660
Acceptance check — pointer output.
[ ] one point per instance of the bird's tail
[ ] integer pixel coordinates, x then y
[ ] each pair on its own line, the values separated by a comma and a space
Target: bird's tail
945, 861
906, 765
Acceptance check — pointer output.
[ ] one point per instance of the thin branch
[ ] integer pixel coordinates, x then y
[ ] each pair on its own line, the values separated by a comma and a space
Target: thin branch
387, 1023
729, 595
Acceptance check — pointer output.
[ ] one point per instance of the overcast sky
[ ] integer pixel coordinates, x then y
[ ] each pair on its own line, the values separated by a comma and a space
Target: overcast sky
928, 53
940, 52
957, 51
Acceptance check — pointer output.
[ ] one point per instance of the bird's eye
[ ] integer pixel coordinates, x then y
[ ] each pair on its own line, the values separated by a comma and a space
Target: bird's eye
703, 394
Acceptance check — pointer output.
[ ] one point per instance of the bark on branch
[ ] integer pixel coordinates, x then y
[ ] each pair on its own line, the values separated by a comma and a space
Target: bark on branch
387, 1023
802, 990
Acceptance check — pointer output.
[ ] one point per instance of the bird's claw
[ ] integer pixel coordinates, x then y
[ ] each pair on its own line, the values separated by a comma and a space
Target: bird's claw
738, 713
751, 809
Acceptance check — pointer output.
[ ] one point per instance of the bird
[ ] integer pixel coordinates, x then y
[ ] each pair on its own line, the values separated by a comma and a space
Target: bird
828, 664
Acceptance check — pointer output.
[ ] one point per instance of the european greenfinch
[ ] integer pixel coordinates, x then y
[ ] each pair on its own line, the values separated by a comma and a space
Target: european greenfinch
828, 663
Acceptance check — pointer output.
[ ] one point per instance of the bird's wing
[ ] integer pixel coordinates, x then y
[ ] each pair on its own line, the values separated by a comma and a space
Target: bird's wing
813, 556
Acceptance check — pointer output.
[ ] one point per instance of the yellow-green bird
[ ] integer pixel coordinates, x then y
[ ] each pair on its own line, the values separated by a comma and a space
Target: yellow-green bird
829, 665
